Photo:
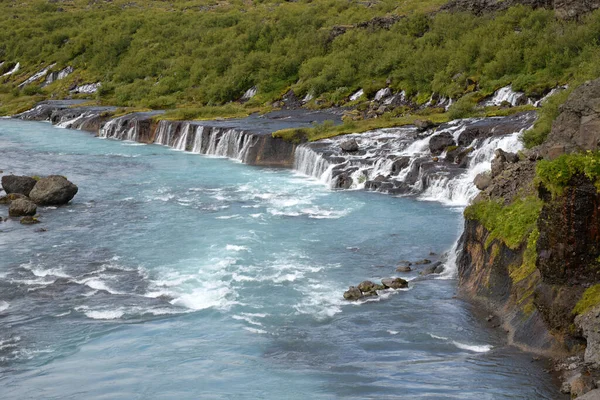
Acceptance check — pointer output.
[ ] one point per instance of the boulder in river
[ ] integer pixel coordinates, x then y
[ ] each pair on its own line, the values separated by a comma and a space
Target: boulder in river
53, 190
435, 268
353, 293
349, 146
423, 262
11, 197
18, 184
21, 208
394, 283
403, 268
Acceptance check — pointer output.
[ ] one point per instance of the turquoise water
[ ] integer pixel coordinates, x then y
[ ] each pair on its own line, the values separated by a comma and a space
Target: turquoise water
179, 276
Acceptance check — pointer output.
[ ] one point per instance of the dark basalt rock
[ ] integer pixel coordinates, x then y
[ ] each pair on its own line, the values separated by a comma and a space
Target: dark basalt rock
399, 164
349, 146
435, 268
21, 208
53, 190
439, 143
403, 268
18, 184
483, 181
423, 262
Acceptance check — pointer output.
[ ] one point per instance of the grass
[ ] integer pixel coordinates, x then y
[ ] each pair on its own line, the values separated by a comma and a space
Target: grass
589, 299
556, 174
511, 224
528, 266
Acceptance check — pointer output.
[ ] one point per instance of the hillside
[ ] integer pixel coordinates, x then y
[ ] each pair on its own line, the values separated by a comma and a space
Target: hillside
194, 55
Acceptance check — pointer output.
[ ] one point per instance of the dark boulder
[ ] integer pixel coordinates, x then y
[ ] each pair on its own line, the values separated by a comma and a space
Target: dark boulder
403, 268
353, 293
366, 286
18, 184
399, 164
349, 145
439, 143
435, 268
21, 208
53, 190
423, 262
423, 124
394, 283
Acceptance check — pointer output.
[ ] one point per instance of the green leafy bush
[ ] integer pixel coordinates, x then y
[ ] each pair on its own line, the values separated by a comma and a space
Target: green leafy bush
556, 174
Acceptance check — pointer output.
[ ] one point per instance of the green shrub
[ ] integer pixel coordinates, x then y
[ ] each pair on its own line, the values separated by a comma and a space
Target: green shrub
556, 174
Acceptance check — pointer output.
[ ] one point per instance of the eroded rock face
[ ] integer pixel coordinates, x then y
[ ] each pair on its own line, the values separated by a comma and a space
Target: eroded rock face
22, 208
577, 128
18, 184
589, 323
439, 143
53, 190
570, 9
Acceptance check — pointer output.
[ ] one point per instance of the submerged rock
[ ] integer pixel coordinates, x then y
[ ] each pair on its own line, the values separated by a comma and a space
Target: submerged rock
423, 262
18, 184
394, 283
29, 220
22, 207
53, 190
403, 268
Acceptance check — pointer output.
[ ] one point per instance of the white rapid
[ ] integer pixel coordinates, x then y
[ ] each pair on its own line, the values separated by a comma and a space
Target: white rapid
507, 95
38, 75
14, 70
403, 161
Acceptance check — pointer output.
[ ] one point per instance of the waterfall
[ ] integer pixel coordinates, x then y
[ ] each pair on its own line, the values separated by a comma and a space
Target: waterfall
181, 142
399, 160
121, 128
197, 146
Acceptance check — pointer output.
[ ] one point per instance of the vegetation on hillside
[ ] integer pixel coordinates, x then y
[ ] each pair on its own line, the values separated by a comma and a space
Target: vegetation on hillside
192, 54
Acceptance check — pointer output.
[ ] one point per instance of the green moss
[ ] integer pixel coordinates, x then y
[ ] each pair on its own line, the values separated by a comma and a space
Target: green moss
528, 266
555, 175
589, 299
547, 114
511, 224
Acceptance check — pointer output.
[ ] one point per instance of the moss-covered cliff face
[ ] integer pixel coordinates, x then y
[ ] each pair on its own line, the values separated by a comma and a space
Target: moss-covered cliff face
531, 245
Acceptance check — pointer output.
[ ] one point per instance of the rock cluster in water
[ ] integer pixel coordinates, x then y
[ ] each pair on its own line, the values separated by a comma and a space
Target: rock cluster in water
25, 193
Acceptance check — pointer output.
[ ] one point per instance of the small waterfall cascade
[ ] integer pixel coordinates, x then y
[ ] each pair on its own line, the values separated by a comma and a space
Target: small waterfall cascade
121, 128
507, 95
439, 164
184, 136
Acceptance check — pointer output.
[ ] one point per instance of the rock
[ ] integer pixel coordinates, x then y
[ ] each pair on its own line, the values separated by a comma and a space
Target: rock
482, 181
579, 384
394, 283
423, 262
41, 230
408, 263
29, 220
403, 268
589, 323
349, 146
502, 158
18, 184
366, 286
592, 395
11, 197
21, 208
353, 293
399, 164
423, 125
577, 127
439, 143
435, 268
53, 190
573, 9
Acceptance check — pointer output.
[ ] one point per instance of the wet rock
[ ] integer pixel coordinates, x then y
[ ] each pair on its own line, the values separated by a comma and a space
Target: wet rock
29, 220
501, 159
438, 143
353, 293
53, 190
578, 384
592, 395
394, 283
435, 268
423, 262
482, 181
349, 146
399, 164
403, 268
404, 262
366, 286
18, 184
11, 197
343, 181
21, 208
